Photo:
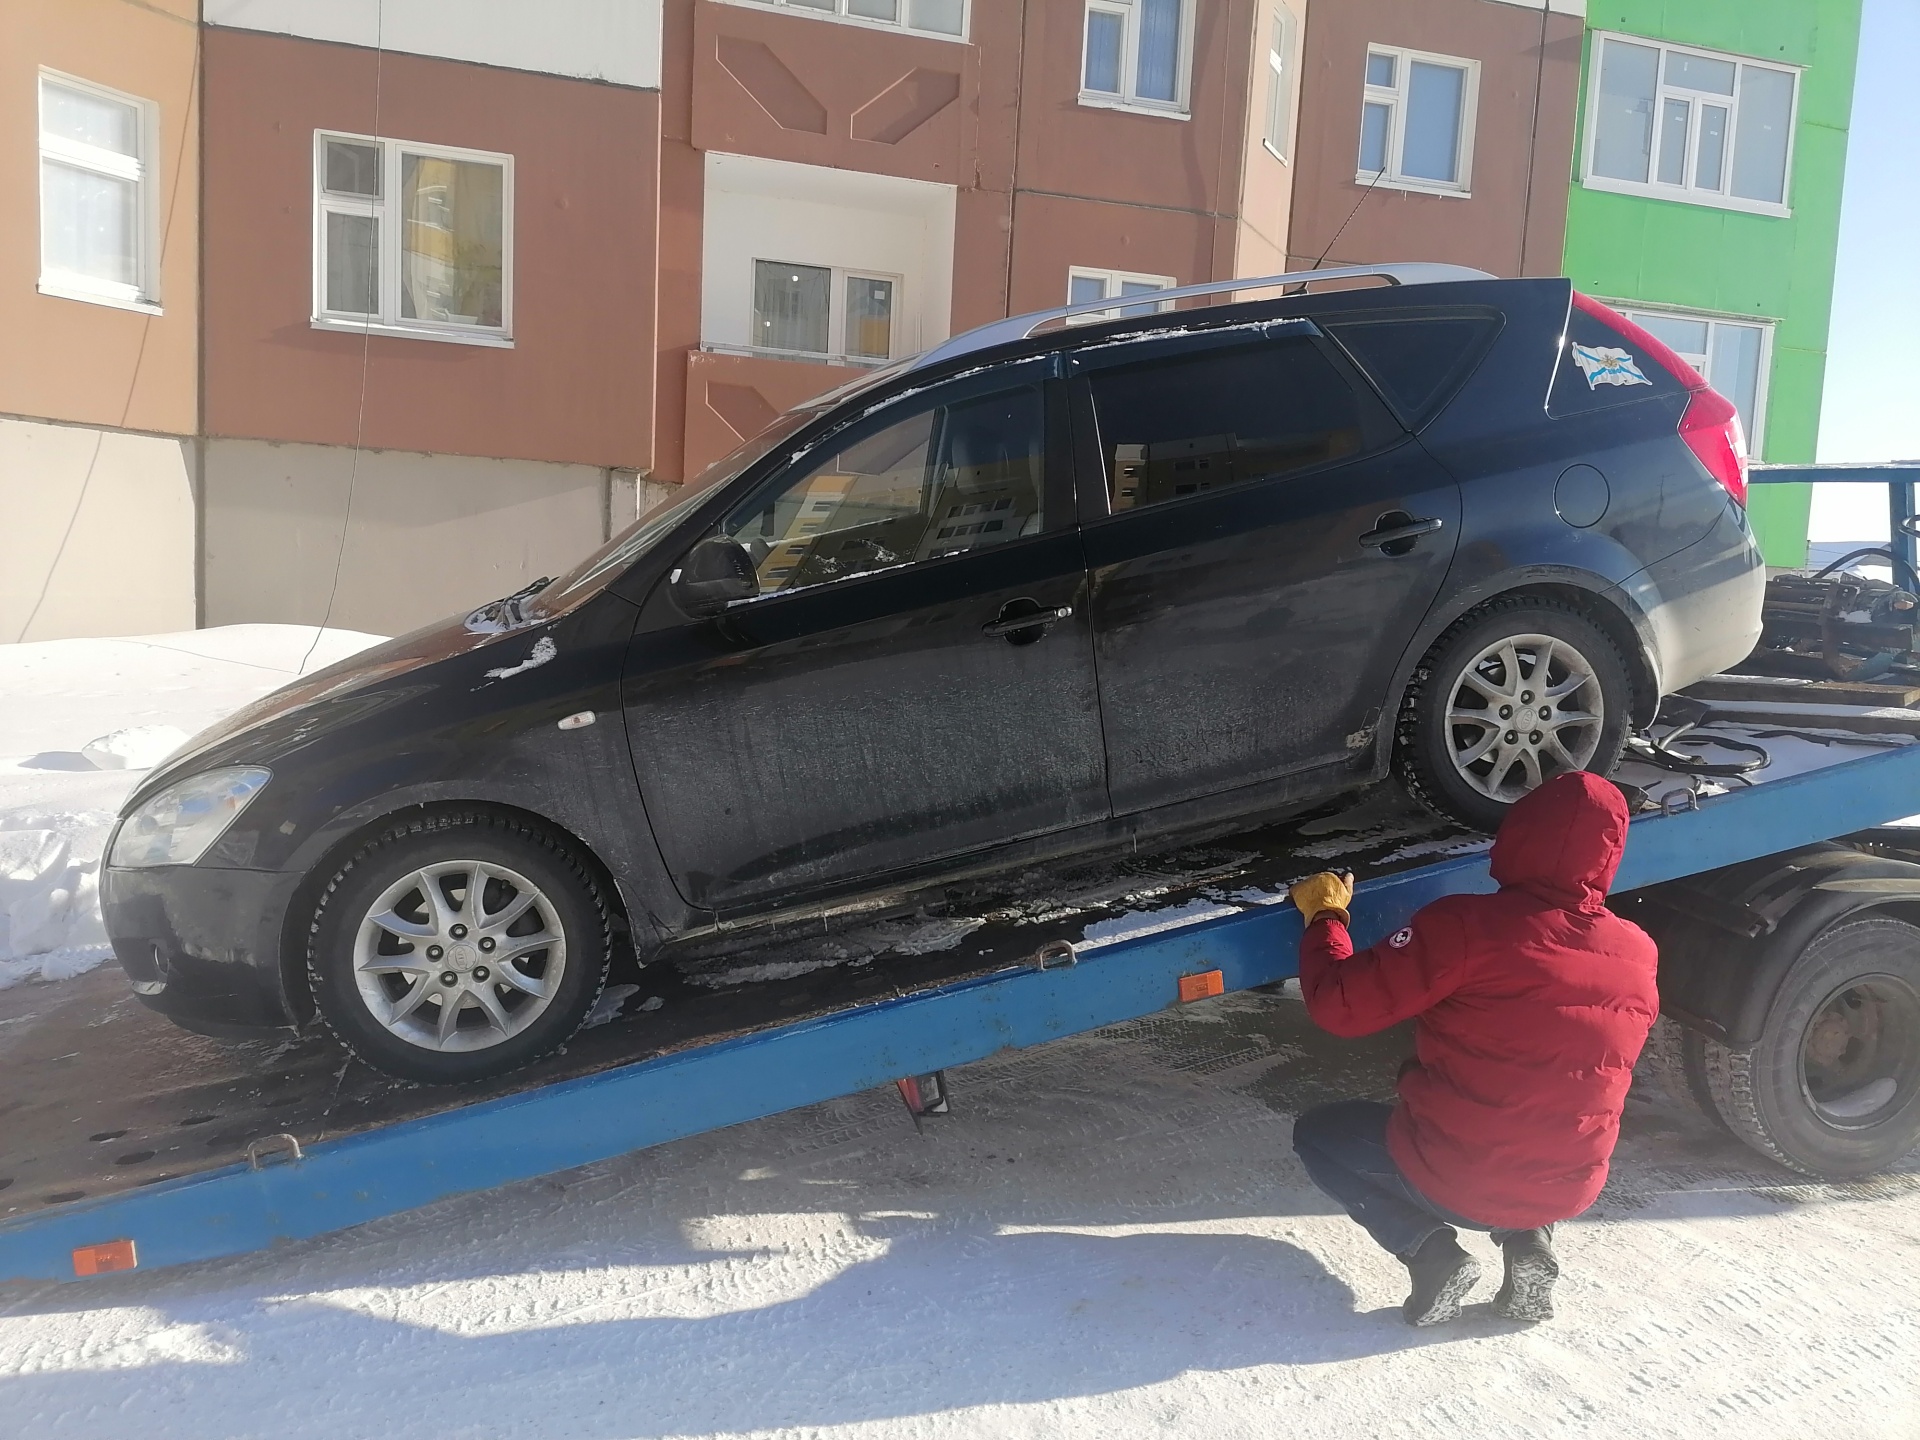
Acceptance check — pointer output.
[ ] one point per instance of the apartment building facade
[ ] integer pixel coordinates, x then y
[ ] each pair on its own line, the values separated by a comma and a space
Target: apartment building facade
425, 303
99, 310
1706, 203
1437, 131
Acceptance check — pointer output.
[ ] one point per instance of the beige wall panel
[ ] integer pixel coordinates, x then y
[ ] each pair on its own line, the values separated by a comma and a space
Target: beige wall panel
98, 532
430, 535
73, 359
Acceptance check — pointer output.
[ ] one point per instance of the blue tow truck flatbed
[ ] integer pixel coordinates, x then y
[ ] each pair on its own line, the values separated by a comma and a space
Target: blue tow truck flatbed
80, 1206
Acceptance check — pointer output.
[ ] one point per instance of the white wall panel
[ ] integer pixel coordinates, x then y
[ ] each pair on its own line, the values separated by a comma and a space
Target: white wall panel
612, 40
759, 209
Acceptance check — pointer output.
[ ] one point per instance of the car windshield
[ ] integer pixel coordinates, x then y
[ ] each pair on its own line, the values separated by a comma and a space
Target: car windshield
598, 570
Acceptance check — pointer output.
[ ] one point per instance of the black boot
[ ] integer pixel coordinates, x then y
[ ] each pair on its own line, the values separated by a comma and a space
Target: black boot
1442, 1273
1527, 1292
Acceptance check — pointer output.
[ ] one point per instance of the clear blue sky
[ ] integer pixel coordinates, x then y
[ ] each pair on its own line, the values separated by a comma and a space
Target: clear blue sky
1871, 409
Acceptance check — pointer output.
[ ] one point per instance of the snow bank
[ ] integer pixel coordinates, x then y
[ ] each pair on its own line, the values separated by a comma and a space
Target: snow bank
82, 722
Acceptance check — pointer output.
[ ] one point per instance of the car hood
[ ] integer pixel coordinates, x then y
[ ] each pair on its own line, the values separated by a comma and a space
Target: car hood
349, 690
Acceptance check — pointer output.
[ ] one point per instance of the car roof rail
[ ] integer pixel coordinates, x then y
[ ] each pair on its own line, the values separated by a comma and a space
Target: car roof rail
1019, 327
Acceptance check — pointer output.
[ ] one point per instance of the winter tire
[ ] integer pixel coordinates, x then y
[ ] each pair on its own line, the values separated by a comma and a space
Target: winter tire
1513, 693
1832, 1089
1676, 1057
458, 947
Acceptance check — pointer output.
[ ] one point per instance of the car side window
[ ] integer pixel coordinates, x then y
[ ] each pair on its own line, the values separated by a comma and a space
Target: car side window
1200, 423
942, 481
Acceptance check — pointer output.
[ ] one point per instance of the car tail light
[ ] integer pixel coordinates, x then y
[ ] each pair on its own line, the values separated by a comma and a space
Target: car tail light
1711, 425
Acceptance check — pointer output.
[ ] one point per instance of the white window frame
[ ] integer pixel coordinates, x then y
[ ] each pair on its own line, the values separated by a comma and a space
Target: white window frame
1396, 99
144, 295
1766, 325
839, 277
1283, 66
838, 14
389, 321
1128, 12
1652, 188
1110, 283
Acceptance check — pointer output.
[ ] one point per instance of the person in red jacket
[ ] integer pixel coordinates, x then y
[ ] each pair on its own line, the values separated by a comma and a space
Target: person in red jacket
1530, 1007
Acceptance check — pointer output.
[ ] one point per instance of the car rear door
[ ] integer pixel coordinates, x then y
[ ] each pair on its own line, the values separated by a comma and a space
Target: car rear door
1264, 540
880, 705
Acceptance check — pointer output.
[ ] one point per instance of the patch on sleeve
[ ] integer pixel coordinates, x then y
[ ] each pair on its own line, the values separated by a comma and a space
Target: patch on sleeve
1606, 365
1401, 938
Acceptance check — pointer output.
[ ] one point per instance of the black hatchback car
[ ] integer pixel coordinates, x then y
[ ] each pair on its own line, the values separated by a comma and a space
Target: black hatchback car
1047, 589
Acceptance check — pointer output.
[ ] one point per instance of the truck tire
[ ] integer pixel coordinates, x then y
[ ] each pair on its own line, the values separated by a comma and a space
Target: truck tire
458, 946
1832, 1089
1676, 1057
1512, 693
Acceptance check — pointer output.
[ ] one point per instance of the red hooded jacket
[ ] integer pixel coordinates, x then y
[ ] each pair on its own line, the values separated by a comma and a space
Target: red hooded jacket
1531, 1006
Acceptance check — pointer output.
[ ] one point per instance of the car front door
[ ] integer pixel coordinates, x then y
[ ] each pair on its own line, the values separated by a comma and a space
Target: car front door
1267, 541
914, 680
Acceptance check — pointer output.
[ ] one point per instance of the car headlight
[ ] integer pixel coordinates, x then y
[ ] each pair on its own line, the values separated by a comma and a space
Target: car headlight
179, 825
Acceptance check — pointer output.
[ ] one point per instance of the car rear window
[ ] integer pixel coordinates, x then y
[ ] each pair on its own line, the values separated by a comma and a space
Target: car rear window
1600, 368
1417, 361
1194, 424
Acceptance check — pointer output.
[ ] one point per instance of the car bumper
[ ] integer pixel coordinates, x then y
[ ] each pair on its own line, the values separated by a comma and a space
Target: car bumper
201, 945
1703, 603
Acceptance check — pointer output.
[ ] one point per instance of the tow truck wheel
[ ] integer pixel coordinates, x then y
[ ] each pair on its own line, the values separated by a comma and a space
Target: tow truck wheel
1832, 1089
1513, 693
458, 947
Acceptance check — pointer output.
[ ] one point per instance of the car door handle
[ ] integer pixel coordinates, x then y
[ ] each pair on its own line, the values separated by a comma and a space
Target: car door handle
1392, 534
1030, 620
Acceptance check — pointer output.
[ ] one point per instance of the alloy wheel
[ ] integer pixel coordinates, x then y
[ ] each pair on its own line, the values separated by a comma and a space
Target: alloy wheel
1526, 708
459, 955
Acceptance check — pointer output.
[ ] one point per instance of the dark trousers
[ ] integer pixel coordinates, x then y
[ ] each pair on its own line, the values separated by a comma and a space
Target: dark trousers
1344, 1147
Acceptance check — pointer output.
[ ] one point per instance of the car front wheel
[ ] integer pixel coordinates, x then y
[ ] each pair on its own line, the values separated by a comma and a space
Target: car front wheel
457, 947
1512, 694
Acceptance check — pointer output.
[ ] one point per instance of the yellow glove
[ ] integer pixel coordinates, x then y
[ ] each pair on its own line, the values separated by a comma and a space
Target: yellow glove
1324, 894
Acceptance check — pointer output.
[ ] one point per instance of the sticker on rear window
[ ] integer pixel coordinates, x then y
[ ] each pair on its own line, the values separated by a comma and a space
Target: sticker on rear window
1605, 365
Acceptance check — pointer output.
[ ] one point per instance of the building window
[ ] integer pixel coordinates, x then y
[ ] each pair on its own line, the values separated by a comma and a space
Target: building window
1280, 64
1416, 121
96, 194
1084, 286
1689, 125
1734, 355
412, 239
817, 310
929, 17
1136, 54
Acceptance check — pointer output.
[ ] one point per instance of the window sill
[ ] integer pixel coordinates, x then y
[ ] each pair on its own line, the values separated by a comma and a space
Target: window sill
804, 357
412, 332
1097, 100
1701, 200
1366, 179
59, 291
859, 21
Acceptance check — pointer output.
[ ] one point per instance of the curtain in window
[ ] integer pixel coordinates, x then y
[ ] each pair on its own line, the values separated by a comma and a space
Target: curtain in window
450, 241
1159, 49
89, 227
1104, 30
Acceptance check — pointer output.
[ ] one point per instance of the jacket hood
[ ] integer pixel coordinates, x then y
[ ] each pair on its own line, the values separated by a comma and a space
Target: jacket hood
1562, 843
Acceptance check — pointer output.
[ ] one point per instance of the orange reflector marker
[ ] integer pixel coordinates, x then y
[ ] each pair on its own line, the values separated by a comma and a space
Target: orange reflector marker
1199, 987
103, 1258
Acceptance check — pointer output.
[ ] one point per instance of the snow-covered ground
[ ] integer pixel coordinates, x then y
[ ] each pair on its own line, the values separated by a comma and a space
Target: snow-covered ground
1108, 1238
59, 789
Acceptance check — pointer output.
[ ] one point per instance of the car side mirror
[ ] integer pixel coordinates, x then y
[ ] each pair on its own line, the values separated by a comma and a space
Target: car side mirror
715, 573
